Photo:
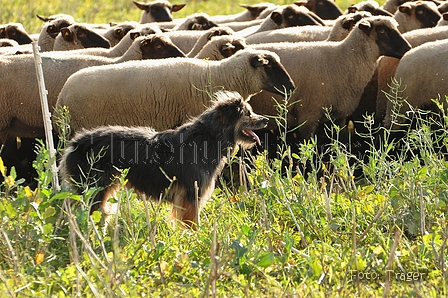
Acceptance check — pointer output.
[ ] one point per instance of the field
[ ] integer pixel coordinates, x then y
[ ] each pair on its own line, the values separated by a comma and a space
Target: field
323, 230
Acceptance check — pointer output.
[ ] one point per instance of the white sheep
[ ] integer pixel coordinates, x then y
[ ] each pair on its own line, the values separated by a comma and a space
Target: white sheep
341, 28
78, 36
421, 85
282, 17
157, 11
331, 74
206, 37
123, 45
220, 47
20, 106
251, 13
50, 29
420, 36
116, 32
416, 15
165, 93
444, 19
186, 40
6, 42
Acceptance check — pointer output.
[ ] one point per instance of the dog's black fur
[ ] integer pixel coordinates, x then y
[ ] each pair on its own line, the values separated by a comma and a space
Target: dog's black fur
196, 151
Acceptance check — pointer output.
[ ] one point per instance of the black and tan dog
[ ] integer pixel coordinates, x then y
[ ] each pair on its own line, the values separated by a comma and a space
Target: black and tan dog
194, 152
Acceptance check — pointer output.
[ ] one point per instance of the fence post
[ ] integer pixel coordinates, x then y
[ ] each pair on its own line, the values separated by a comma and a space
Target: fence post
46, 115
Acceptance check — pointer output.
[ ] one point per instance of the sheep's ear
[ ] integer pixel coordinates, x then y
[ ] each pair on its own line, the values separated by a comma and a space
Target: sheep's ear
141, 5
301, 3
347, 23
177, 7
2, 32
405, 8
352, 9
365, 26
277, 17
258, 61
134, 35
66, 34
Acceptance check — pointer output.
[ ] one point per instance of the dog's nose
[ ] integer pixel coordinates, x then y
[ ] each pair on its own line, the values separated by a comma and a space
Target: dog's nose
265, 120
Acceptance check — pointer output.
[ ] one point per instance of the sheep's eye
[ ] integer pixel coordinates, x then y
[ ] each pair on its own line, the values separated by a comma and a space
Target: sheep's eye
382, 31
159, 46
419, 11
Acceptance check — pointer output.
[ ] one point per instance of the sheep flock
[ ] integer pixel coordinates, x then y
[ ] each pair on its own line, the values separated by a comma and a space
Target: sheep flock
160, 71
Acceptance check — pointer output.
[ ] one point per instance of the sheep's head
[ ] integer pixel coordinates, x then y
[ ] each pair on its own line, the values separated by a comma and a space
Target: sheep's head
157, 11
389, 40
275, 77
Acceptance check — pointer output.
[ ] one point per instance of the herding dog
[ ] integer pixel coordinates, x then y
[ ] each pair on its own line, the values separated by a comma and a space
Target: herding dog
166, 163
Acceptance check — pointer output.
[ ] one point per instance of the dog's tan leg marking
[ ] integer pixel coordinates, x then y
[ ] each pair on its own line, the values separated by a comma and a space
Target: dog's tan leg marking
184, 213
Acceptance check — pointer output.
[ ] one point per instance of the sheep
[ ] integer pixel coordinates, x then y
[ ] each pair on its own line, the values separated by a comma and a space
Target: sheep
283, 17
78, 36
134, 94
123, 45
443, 20
117, 31
206, 37
420, 36
6, 42
157, 11
251, 13
371, 6
51, 29
16, 32
220, 47
186, 40
197, 21
20, 107
325, 9
331, 74
416, 15
392, 5
422, 85
342, 27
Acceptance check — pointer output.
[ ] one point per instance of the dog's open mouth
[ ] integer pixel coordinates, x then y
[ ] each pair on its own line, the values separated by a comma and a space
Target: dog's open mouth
252, 135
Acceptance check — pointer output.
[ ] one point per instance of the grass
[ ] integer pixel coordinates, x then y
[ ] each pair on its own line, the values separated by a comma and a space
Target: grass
315, 232
282, 233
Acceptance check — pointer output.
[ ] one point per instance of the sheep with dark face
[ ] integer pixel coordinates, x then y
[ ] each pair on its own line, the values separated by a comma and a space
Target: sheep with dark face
191, 41
197, 21
325, 9
20, 107
50, 29
416, 15
331, 74
157, 11
341, 28
135, 95
220, 47
251, 13
370, 6
15, 31
392, 5
283, 17
79, 36
117, 31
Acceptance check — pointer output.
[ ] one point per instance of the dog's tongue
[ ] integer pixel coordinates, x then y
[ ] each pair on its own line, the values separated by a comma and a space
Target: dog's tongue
253, 135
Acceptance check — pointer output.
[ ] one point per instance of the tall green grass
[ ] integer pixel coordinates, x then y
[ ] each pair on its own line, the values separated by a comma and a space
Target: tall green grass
281, 233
